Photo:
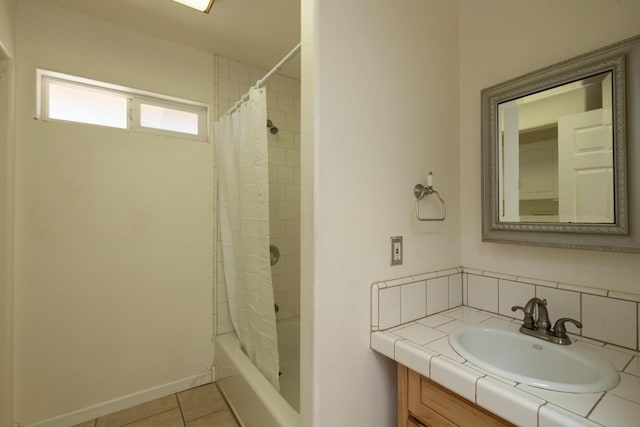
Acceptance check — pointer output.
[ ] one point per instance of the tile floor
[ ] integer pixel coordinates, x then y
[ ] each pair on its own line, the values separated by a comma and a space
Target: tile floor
202, 406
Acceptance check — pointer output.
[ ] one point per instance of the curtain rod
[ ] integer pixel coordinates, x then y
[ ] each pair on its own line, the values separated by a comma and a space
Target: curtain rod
260, 83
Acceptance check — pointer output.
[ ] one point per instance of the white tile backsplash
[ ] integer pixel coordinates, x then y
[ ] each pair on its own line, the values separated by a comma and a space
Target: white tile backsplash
425, 276
400, 281
606, 319
512, 293
374, 307
561, 303
610, 320
437, 295
502, 276
455, 290
448, 272
465, 289
624, 295
582, 289
483, 292
547, 283
389, 307
413, 301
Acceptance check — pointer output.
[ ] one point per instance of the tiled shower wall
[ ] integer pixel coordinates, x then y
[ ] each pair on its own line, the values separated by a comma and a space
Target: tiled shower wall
607, 316
233, 80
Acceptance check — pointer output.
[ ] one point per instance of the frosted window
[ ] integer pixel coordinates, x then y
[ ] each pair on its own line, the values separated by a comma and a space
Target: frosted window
87, 105
157, 117
81, 100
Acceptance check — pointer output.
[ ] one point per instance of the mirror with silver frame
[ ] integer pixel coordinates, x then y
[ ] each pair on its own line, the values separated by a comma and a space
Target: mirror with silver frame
560, 147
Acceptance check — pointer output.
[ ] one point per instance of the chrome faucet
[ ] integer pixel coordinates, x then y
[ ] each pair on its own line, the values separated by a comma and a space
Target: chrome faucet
540, 327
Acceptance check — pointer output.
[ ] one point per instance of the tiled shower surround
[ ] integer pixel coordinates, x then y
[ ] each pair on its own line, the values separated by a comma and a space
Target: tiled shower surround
607, 316
233, 80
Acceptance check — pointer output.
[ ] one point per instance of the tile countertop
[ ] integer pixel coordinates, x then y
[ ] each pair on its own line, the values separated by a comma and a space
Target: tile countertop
423, 346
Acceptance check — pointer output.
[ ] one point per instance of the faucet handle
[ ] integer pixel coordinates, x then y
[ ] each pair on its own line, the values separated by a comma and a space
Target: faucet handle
560, 331
528, 316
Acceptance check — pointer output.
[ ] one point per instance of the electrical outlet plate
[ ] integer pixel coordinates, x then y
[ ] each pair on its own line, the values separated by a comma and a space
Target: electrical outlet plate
396, 250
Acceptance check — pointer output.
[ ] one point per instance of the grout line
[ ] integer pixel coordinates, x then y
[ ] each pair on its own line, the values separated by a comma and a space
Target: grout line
154, 415
621, 397
580, 299
498, 306
475, 389
538, 412
184, 422
595, 405
627, 365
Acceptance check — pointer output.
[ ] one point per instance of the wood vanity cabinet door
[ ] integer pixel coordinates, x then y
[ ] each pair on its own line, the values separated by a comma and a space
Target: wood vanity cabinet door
413, 423
435, 406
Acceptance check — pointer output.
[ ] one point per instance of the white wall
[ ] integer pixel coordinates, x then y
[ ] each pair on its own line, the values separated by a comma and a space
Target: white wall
501, 39
384, 83
7, 23
7, 56
114, 229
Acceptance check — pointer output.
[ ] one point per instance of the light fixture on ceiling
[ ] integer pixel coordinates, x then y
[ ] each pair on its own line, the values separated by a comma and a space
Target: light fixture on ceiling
201, 5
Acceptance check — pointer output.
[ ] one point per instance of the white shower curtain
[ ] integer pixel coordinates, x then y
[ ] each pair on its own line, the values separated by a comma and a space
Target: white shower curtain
243, 192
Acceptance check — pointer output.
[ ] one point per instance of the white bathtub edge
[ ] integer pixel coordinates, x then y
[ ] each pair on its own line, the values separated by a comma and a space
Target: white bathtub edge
276, 407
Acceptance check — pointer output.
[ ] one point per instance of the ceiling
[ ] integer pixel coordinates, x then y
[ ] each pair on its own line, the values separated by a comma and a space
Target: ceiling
256, 32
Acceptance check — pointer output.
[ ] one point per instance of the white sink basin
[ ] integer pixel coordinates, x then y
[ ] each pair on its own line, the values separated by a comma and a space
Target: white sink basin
504, 351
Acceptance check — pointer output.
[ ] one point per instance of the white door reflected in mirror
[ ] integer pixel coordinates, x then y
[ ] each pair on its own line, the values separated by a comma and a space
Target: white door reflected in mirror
555, 154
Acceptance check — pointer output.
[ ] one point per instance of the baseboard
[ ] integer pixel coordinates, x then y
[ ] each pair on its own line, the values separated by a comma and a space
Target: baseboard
124, 402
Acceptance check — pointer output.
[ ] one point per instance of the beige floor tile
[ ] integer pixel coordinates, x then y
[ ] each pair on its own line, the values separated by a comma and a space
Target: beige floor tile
217, 419
91, 423
171, 418
200, 401
139, 412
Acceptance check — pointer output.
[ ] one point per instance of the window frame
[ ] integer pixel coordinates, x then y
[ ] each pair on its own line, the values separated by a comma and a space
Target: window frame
135, 113
135, 98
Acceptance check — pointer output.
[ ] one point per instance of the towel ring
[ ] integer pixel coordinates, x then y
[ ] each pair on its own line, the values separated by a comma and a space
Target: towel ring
420, 191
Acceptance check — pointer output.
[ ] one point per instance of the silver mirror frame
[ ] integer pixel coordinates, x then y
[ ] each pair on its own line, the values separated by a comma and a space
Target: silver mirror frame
623, 59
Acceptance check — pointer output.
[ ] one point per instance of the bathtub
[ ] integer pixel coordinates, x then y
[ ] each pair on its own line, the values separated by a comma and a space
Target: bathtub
251, 397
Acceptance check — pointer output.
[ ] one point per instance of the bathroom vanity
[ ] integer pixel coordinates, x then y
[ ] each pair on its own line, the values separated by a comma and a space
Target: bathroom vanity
438, 387
422, 402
